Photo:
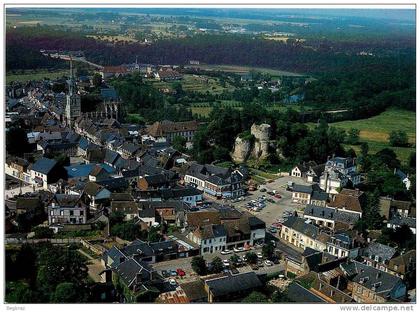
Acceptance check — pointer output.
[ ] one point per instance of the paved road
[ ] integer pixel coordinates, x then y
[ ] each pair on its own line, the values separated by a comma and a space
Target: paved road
21, 190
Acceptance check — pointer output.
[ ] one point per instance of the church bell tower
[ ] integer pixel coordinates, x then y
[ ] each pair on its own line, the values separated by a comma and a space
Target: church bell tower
73, 109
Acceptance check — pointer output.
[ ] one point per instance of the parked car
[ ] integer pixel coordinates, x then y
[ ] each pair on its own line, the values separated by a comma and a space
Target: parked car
260, 264
165, 273
180, 272
273, 230
259, 255
226, 263
172, 282
268, 263
263, 189
238, 249
226, 251
271, 200
277, 196
173, 273
234, 271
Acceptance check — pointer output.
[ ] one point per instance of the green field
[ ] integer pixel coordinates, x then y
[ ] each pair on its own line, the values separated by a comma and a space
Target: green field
35, 75
245, 69
375, 130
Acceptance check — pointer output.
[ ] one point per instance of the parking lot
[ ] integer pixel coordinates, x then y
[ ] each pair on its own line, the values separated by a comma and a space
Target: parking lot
273, 210
185, 265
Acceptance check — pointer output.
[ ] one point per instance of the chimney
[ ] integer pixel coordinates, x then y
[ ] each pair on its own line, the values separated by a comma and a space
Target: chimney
378, 275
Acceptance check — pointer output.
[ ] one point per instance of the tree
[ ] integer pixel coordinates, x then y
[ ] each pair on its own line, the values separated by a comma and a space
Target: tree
255, 297
17, 142
97, 80
153, 235
234, 258
67, 293
126, 230
198, 264
371, 214
279, 296
216, 265
19, 292
353, 136
251, 257
268, 250
43, 232
398, 138
178, 143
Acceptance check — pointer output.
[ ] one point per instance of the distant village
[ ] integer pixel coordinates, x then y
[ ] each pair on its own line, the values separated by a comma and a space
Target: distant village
295, 233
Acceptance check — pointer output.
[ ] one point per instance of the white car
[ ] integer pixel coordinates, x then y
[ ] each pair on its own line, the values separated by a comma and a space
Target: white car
172, 282
226, 252
226, 263
238, 249
259, 255
268, 263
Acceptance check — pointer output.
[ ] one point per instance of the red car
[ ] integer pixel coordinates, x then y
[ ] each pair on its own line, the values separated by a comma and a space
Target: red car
180, 272
277, 196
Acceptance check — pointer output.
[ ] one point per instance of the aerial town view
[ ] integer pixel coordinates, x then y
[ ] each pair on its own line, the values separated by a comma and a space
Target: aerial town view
210, 155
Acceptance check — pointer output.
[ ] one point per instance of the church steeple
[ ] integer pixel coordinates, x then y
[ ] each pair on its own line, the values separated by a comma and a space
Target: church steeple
72, 84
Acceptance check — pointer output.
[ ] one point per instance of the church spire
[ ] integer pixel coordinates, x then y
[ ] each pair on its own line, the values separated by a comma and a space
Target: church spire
71, 81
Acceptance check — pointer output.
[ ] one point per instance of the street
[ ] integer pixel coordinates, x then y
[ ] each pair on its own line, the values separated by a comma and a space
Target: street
185, 264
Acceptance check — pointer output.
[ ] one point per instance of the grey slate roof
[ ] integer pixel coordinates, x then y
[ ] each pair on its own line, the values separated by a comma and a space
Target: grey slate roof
379, 281
233, 283
384, 252
44, 165
300, 294
299, 225
330, 214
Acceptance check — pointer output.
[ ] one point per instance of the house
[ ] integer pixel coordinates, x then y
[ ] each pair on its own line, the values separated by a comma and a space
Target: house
67, 209
390, 208
140, 251
378, 255
97, 194
398, 221
301, 170
194, 291
338, 172
369, 285
188, 195
309, 194
156, 181
299, 294
44, 172
215, 181
404, 178
18, 168
124, 203
303, 234
169, 130
167, 74
113, 71
98, 173
342, 245
229, 287
314, 173
404, 265
330, 217
211, 238
127, 150
350, 201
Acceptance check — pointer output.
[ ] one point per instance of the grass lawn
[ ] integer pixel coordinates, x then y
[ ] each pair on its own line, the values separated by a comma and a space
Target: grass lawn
377, 128
375, 131
35, 75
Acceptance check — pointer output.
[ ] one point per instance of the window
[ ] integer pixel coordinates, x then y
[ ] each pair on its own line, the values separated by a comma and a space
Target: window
71, 212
